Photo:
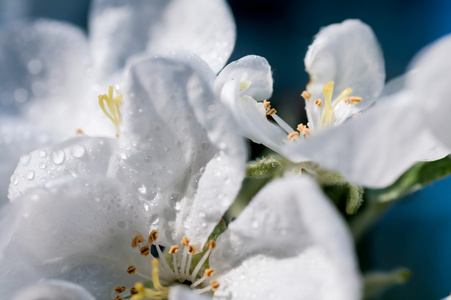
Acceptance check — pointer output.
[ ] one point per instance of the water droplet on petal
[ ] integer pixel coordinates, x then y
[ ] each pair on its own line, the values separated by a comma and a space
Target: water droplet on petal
25, 159
254, 224
42, 165
30, 175
42, 153
77, 151
153, 219
15, 179
58, 157
142, 189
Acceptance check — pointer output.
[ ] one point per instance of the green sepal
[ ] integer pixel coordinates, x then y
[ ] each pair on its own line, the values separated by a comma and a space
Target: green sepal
378, 282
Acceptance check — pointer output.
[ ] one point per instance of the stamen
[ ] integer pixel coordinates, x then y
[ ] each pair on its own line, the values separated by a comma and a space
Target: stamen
79, 131
266, 104
306, 95
271, 111
211, 244
120, 289
209, 272
155, 275
145, 250
173, 250
214, 285
356, 99
293, 135
184, 241
131, 270
318, 102
134, 291
153, 236
327, 116
341, 96
118, 297
191, 250
245, 85
166, 267
137, 240
113, 105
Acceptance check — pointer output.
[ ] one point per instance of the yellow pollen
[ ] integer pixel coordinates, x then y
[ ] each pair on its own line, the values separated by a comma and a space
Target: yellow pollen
120, 289
266, 104
306, 95
271, 111
184, 241
356, 99
113, 104
79, 131
131, 270
173, 250
145, 250
211, 244
117, 297
318, 102
293, 135
153, 236
347, 100
134, 291
209, 272
191, 250
137, 240
214, 285
245, 85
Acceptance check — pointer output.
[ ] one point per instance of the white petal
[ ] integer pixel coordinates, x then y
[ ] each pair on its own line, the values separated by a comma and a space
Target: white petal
78, 231
289, 242
252, 68
53, 290
73, 158
348, 54
180, 292
125, 28
180, 148
373, 149
430, 84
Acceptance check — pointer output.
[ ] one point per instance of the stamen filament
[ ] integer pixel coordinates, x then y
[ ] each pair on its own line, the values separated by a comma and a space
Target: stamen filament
188, 266
204, 290
200, 264
341, 97
282, 124
176, 267
185, 253
199, 281
165, 265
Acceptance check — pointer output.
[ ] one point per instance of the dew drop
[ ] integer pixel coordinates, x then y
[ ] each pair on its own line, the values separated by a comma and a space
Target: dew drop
25, 159
77, 151
42, 165
153, 219
15, 179
30, 175
204, 225
42, 153
58, 157
142, 189
254, 224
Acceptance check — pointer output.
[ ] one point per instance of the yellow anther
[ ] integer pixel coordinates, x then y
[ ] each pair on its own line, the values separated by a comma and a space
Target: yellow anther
304, 129
153, 236
184, 241
266, 104
173, 250
318, 102
306, 95
134, 291
113, 104
120, 289
137, 240
145, 250
131, 270
211, 244
356, 99
78, 131
209, 272
214, 285
271, 111
347, 100
245, 85
191, 249
293, 135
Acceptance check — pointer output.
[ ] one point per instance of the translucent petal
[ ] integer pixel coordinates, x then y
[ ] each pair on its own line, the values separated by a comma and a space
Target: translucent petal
348, 54
375, 148
79, 230
253, 69
122, 28
80, 156
53, 290
180, 292
180, 148
430, 84
288, 236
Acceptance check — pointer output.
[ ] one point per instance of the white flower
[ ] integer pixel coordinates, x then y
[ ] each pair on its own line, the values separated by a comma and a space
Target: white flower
372, 149
175, 169
51, 73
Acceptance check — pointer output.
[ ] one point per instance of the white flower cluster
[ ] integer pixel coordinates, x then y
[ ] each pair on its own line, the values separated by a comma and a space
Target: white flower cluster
100, 217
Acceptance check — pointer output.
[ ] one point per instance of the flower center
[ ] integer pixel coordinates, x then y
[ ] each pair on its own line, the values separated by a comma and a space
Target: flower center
181, 264
113, 105
322, 113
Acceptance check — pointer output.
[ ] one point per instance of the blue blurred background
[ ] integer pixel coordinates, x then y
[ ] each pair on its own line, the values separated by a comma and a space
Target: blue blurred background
415, 233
